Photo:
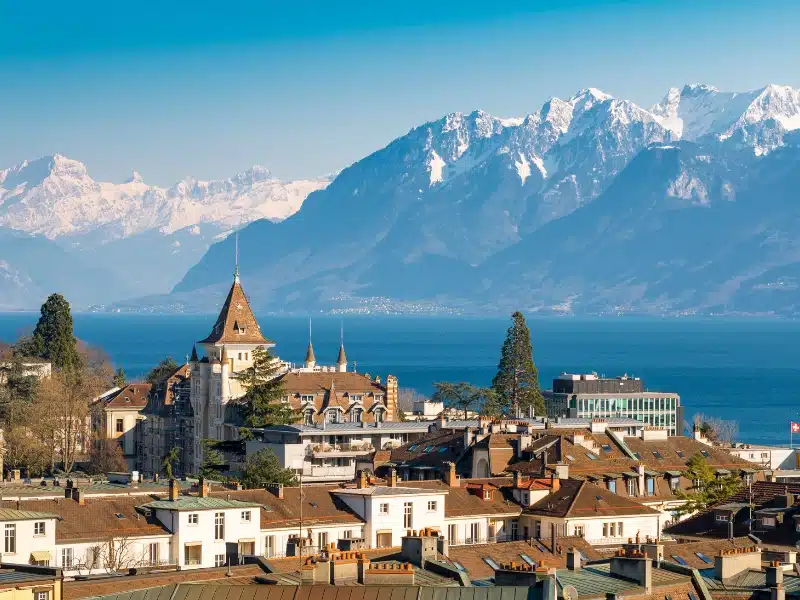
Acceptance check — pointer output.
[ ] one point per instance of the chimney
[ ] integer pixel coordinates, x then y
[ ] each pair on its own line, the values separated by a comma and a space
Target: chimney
774, 574
634, 567
729, 563
467, 438
544, 463
174, 490
204, 487
393, 477
450, 477
517, 479
573, 560
79, 496
555, 482
275, 488
553, 538
362, 480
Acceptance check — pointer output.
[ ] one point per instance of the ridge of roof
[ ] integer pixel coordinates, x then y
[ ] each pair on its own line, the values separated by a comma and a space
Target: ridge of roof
236, 323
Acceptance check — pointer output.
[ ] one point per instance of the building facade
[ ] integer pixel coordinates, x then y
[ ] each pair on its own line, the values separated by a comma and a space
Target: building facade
587, 395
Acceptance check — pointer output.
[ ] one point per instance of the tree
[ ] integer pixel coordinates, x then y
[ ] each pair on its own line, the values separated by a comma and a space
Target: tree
171, 459
517, 379
708, 488
491, 403
262, 402
17, 392
213, 465
105, 455
59, 415
263, 467
119, 378
715, 429
162, 370
461, 395
53, 338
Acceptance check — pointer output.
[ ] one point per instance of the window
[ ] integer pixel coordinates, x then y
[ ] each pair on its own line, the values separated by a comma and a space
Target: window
357, 397
66, 558
704, 558
384, 509
570, 458
612, 485
451, 533
219, 526
579, 530
332, 416
674, 483
308, 416
619, 529
443, 449
631, 486
722, 518
428, 448
591, 456
194, 518
357, 413
39, 528
705, 453
42, 595
246, 516
120, 427
347, 534
219, 560
680, 453
432, 506
458, 566
475, 532
606, 448
612, 529
412, 447
637, 455
93, 556
651, 486
657, 454
153, 551
306, 398
491, 562
269, 546
408, 520
528, 560
380, 415
11, 539
514, 530
322, 539
680, 560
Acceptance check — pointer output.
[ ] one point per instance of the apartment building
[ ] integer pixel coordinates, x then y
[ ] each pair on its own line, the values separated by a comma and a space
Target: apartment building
116, 415
588, 396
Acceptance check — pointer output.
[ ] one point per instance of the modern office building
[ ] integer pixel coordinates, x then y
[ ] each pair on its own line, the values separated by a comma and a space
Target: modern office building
588, 395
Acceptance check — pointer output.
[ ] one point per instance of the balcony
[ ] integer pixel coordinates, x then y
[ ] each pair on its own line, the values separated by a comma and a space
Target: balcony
340, 450
324, 473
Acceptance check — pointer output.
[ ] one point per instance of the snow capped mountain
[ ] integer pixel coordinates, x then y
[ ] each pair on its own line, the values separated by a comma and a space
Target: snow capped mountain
54, 196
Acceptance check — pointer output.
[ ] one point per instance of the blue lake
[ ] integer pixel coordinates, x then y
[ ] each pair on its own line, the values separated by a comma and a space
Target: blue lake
737, 369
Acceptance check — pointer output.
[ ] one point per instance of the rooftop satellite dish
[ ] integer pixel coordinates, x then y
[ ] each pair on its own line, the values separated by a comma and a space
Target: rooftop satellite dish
570, 593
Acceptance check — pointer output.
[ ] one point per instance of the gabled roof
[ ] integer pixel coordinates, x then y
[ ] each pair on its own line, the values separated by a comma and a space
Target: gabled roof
581, 499
133, 395
196, 503
236, 323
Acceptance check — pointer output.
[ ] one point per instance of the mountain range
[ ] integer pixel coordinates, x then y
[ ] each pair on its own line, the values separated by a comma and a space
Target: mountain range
589, 205
117, 240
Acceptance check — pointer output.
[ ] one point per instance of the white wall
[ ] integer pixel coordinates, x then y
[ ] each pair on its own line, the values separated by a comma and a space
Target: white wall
27, 542
332, 532
125, 553
644, 525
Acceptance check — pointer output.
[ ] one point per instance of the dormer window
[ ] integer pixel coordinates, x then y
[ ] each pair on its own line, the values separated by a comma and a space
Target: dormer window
380, 415
307, 399
487, 494
358, 398
332, 416
357, 413
308, 416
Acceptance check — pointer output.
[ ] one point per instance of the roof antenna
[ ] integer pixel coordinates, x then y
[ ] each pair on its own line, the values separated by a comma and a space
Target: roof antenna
236, 271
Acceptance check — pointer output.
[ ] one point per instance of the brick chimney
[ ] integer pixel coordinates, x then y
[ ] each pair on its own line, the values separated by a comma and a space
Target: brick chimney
79, 496
774, 580
174, 489
275, 488
393, 477
517, 479
204, 487
450, 477
362, 480
555, 483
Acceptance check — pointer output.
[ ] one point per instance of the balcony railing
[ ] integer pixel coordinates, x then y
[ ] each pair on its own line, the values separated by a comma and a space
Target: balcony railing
340, 449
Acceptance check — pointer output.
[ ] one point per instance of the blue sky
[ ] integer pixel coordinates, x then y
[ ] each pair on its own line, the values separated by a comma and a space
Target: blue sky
304, 88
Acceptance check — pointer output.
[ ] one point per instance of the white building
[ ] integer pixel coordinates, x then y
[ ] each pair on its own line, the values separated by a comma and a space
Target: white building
331, 451
768, 457
28, 537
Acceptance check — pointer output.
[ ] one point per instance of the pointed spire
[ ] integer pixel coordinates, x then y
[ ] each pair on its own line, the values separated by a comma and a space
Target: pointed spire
236, 270
194, 354
341, 361
311, 360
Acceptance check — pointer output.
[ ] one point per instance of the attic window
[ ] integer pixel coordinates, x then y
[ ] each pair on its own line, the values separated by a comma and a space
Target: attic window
313, 504
570, 457
491, 562
428, 448
443, 449
591, 456
680, 453
119, 515
679, 560
657, 454
487, 494
704, 558
459, 566
127, 399
412, 448
637, 456
705, 453
692, 596
606, 448
528, 560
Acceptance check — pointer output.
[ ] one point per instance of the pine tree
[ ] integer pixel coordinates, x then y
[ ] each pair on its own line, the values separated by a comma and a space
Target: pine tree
517, 379
213, 465
162, 370
263, 467
119, 378
171, 459
262, 402
54, 339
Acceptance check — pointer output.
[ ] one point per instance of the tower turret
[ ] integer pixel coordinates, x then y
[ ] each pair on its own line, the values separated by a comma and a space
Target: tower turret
341, 361
311, 360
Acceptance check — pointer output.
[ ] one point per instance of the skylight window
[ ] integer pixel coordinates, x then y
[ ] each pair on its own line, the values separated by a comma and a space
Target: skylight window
428, 448
592, 456
705, 453
583, 556
637, 456
119, 515
491, 562
657, 454
692, 596
704, 558
528, 560
459, 566
412, 447
443, 449
570, 457
679, 560
539, 547
680, 453
606, 448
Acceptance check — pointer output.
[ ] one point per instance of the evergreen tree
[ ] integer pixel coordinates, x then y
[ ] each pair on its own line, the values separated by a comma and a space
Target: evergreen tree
171, 459
119, 378
708, 489
213, 465
262, 402
161, 371
263, 467
54, 339
491, 403
18, 391
517, 379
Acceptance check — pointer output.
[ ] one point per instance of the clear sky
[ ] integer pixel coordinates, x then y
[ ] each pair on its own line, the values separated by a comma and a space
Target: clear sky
202, 88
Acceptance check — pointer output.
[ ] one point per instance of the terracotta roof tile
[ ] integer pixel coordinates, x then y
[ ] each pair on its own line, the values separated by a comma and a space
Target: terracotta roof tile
584, 499
236, 323
133, 395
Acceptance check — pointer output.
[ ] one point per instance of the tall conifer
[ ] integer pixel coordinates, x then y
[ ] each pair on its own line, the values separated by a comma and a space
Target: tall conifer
54, 339
517, 379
